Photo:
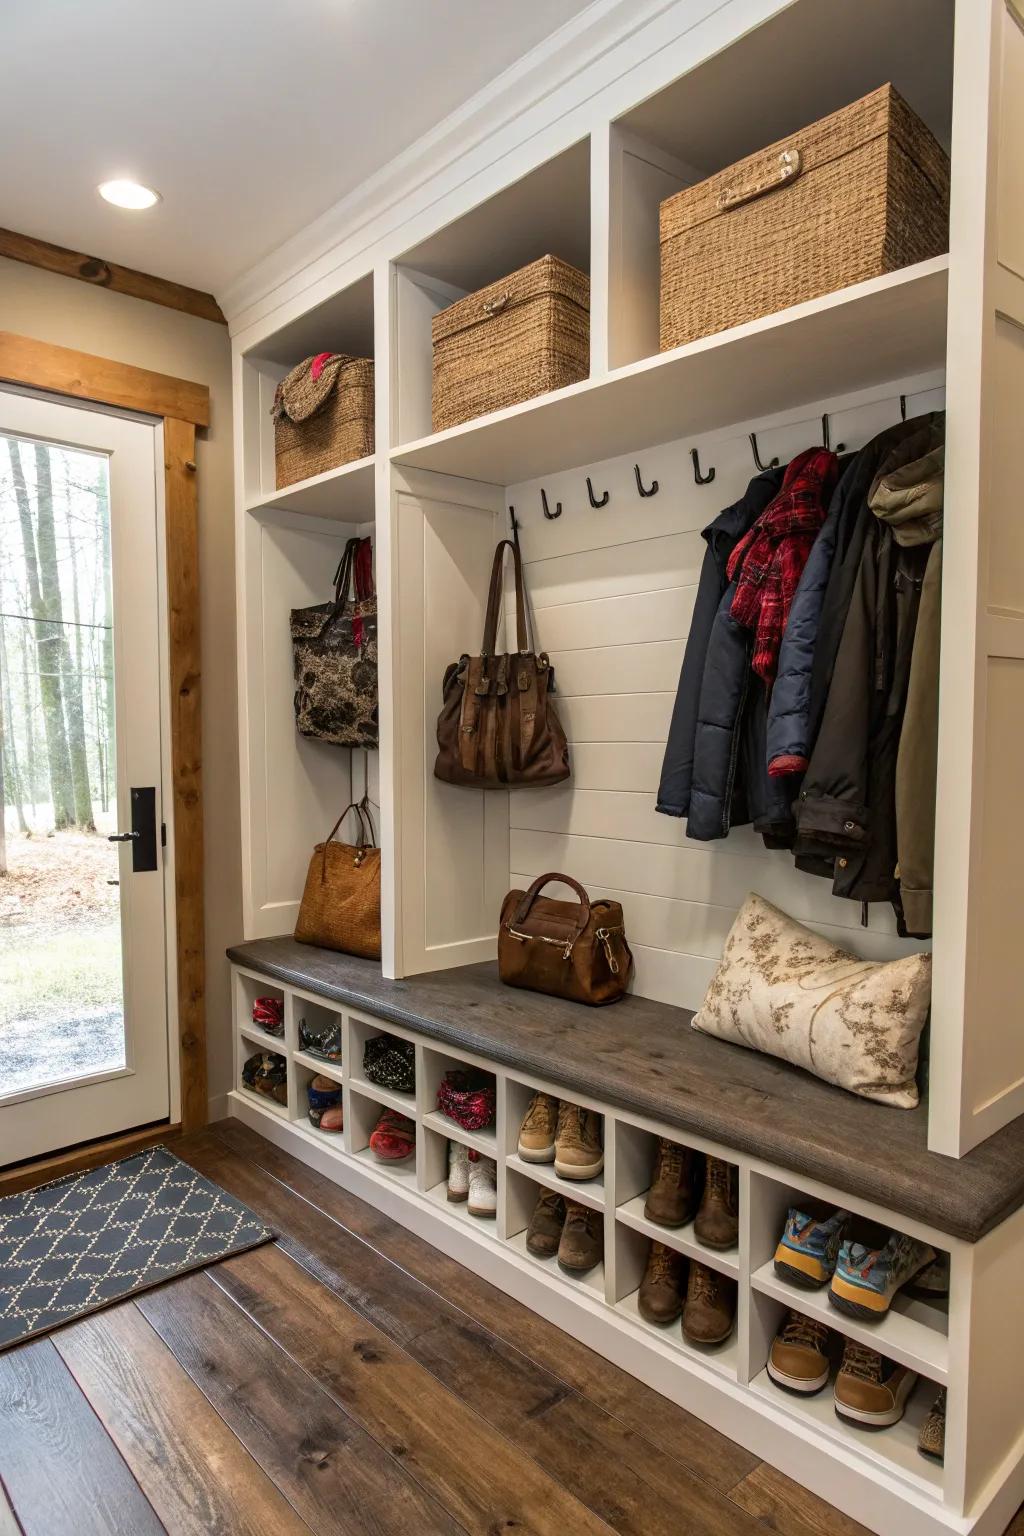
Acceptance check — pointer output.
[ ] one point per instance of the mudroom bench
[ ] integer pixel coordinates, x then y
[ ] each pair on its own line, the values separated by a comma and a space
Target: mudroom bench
640, 1065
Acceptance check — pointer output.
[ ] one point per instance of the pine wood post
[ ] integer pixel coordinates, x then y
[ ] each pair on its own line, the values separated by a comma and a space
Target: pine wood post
186, 759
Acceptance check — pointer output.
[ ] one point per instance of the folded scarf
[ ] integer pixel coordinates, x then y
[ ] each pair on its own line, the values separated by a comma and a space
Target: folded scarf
768, 561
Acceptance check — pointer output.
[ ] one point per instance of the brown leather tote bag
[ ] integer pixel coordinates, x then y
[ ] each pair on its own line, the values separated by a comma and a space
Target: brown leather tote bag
570, 949
340, 906
498, 726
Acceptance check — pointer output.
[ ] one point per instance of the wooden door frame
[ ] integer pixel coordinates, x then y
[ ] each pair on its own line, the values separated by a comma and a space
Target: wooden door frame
182, 406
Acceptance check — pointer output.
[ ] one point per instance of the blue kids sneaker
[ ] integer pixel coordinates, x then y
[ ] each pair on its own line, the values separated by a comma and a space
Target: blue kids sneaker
867, 1279
809, 1247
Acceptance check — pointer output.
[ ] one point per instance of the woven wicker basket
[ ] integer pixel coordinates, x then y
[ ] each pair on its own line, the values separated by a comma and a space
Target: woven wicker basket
323, 416
515, 339
859, 193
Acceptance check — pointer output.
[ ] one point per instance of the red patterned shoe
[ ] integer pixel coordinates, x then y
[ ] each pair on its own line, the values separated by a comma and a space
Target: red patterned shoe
393, 1138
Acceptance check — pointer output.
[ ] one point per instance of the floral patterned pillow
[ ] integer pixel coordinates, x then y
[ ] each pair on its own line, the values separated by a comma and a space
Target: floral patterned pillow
784, 990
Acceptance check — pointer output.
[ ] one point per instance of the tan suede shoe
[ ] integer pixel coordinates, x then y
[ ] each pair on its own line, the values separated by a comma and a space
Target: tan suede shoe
582, 1244
710, 1311
931, 1441
578, 1153
537, 1132
717, 1223
660, 1298
545, 1230
672, 1197
798, 1361
870, 1389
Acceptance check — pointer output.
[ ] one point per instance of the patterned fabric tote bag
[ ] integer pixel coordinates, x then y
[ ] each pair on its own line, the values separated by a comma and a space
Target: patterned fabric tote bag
335, 656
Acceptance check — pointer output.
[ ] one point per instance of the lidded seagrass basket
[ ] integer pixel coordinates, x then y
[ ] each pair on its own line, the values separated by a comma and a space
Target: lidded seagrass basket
860, 193
519, 337
323, 416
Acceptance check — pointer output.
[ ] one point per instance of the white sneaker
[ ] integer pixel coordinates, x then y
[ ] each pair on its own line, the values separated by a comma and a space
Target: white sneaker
458, 1171
483, 1187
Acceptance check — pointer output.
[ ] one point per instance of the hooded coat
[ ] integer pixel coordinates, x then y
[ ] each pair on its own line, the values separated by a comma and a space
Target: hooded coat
847, 807
721, 537
816, 620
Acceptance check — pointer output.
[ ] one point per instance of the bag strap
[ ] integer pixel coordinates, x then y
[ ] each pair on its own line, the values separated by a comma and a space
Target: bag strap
342, 586
362, 570
365, 841
530, 896
494, 600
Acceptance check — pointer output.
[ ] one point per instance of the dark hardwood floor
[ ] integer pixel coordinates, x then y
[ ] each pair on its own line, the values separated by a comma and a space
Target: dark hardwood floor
349, 1378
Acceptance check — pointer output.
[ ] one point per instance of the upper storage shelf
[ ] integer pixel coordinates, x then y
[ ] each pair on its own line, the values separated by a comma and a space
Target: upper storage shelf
883, 329
342, 493
546, 212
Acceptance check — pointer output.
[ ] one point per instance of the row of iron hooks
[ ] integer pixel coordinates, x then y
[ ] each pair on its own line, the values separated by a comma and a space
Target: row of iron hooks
700, 476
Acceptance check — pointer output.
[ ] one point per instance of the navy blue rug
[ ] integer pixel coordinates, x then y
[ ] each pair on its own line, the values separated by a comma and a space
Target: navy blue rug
73, 1246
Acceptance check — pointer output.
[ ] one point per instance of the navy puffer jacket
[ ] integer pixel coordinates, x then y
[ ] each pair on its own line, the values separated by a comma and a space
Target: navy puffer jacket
714, 771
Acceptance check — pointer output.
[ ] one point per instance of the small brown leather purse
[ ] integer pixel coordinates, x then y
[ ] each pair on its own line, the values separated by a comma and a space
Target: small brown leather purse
341, 902
570, 949
498, 726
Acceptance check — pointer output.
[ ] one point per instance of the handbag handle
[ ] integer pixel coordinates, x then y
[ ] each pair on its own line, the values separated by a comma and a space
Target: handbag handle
494, 600
787, 167
365, 841
342, 584
530, 896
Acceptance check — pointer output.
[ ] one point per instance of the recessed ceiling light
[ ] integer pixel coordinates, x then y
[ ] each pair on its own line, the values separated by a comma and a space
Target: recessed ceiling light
128, 194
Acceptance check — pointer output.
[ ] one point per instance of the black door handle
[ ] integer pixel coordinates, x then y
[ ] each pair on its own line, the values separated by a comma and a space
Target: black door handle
122, 837
143, 833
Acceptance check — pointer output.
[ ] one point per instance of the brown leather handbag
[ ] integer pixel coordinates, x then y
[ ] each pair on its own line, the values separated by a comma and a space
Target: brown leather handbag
570, 949
498, 726
341, 902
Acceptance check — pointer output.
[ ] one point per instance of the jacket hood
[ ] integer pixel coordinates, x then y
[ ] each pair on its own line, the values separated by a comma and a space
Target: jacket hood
907, 493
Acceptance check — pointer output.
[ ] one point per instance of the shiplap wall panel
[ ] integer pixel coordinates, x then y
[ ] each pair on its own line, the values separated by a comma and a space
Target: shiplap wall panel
612, 592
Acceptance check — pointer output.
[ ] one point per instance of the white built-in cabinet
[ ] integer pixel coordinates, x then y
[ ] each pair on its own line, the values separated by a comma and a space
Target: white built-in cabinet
572, 153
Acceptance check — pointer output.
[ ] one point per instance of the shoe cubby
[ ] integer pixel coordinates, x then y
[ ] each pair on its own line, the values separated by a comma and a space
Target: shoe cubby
432, 1154
545, 212
342, 323
914, 1332
684, 132
360, 1031
317, 1017
302, 1071
631, 1252
246, 990
522, 1191
635, 1153
589, 1191
892, 1448
435, 1065
362, 1112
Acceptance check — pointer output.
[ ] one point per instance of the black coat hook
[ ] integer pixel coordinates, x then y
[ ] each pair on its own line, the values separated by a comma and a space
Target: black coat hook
640, 485
544, 503
772, 463
826, 435
593, 499
698, 477
903, 407
515, 523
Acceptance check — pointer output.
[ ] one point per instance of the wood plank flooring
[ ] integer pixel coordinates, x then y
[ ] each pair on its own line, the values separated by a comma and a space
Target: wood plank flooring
351, 1379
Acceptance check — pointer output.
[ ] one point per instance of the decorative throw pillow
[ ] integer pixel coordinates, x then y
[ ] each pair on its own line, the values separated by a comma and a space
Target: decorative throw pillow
784, 990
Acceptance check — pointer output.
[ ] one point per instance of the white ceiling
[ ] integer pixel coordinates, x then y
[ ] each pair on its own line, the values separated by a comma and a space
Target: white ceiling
251, 117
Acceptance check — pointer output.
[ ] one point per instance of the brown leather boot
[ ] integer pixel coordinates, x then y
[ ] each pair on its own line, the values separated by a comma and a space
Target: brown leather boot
578, 1153
710, 1310
660, 1298
672, 1197
582, 1244
545, 1230
717, 1222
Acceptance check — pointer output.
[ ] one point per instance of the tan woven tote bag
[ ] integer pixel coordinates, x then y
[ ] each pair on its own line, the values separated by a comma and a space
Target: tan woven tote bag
340, 906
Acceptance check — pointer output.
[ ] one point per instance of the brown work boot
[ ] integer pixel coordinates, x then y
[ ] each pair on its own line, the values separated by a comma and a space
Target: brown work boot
660, 1298
582, 1244
537, 1132
710, 1310
578, 1152
545, 1229
717, 1222
672, 1197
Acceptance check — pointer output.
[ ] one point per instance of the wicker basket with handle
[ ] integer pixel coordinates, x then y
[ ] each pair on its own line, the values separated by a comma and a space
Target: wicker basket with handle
519, 337
340, 906
323, 416
860, 193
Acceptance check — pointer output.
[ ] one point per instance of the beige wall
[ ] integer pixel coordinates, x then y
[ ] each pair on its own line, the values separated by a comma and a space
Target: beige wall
59, 309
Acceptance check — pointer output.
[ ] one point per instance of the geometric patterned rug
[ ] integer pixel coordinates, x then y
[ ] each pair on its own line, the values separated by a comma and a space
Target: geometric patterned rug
88, 1239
